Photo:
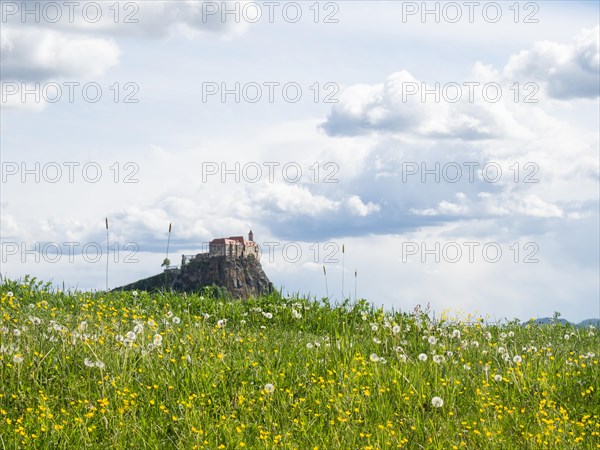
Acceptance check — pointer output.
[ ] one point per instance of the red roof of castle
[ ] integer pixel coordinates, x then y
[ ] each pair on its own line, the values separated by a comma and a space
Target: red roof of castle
231, 240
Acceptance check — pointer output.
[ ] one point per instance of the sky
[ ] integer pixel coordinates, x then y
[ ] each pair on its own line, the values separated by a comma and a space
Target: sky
440, 153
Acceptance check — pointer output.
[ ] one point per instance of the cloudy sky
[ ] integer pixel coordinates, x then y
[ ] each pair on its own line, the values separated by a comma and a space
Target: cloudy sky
452, 150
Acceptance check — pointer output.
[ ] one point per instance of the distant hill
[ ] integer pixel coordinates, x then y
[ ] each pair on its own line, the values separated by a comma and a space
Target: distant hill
586, 323
550, 320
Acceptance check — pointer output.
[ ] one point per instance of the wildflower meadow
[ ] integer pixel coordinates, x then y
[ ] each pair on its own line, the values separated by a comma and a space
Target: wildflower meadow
173, 371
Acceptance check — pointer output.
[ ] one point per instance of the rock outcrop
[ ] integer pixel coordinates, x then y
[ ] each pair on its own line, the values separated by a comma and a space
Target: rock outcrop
241, 277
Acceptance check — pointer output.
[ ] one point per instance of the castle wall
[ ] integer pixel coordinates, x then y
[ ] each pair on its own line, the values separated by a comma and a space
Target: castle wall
234, 249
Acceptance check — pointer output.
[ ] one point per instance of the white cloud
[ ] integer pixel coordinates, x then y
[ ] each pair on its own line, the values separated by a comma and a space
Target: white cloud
294, 200
405, 105
154, 19
31, 54
400, 105
446, 208
358, 208
526, 204
37, 50
8, 225
567, 70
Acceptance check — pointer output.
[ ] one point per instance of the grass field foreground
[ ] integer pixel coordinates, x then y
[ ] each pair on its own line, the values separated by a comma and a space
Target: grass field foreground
176, 371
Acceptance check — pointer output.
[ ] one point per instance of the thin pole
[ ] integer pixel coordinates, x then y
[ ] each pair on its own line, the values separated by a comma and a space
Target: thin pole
343, 265
107, 255
168, 241
326, 287
355, 275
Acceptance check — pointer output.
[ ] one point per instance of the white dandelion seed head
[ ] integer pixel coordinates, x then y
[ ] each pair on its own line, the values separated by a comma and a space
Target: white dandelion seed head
376, 340
309, 345
373, 357
467, 367
157, 340
134, 293
89, 363
438, 359
176, 320
437, 402
35, 320
456, 334
422, 357
432, 340
99, 364
497, 377
9, 294
396, 329
517, 359
374, 327
17, 359
131, 335
270, 388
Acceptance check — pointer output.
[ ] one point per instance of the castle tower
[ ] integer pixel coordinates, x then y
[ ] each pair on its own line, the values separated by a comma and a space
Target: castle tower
251, 236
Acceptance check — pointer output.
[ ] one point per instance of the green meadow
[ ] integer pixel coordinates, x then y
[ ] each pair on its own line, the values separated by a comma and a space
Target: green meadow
174, 371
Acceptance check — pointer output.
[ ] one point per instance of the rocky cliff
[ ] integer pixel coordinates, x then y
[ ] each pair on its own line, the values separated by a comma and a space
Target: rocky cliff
241, 277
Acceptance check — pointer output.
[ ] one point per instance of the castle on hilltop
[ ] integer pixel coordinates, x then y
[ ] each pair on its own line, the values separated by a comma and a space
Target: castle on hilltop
234, 246
231, 247
231, 264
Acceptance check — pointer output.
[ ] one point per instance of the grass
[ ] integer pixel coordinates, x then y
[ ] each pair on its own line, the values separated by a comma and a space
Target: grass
172, 371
